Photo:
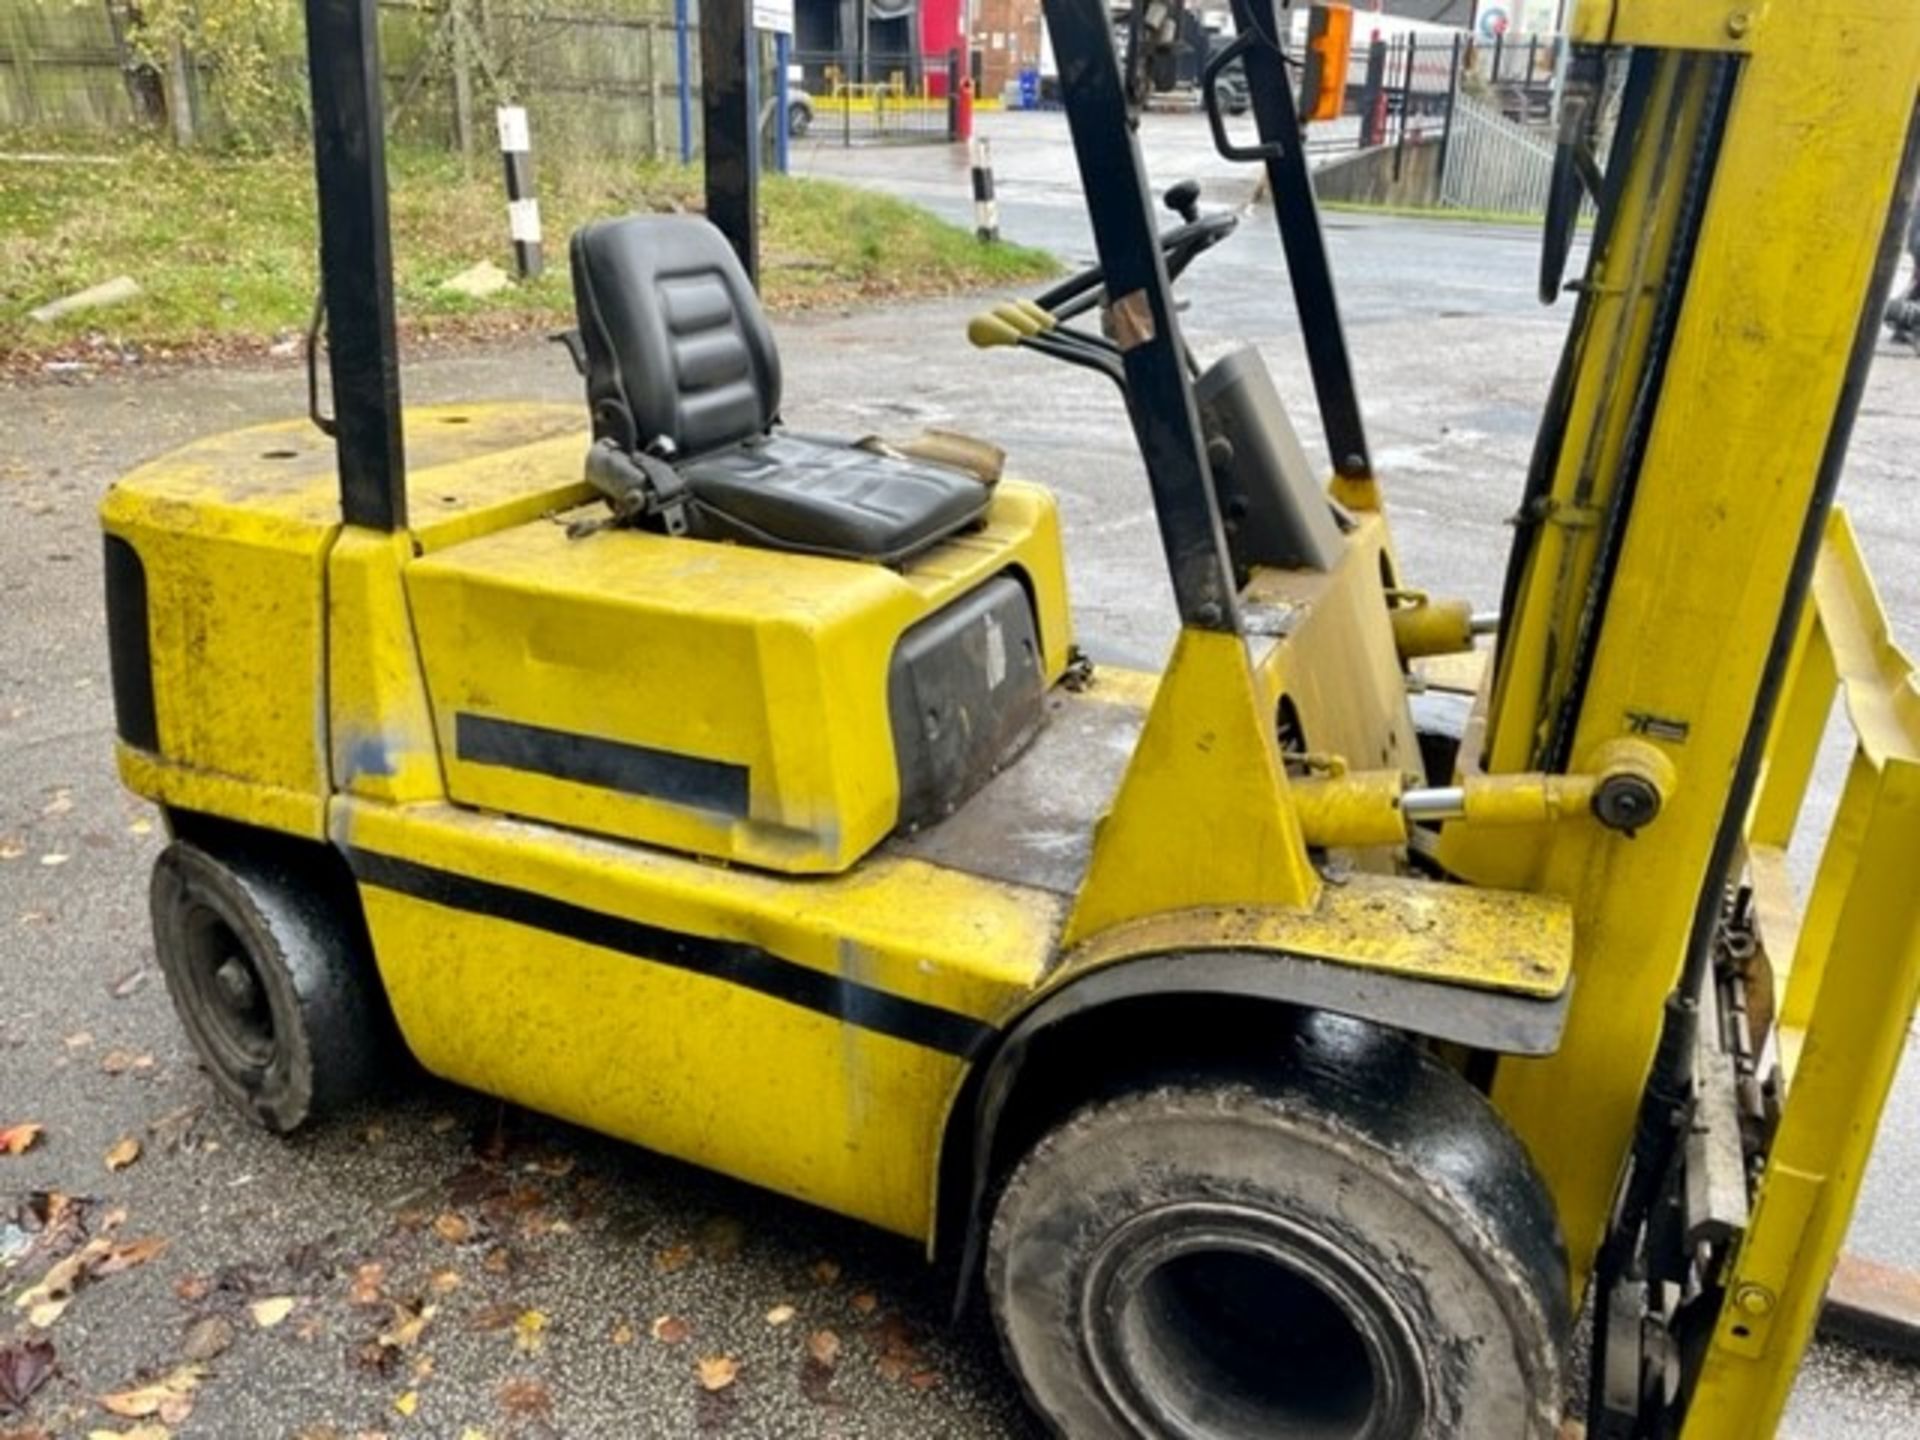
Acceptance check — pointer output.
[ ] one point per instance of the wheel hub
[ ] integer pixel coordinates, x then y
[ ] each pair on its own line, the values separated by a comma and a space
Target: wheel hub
1226, 1323
225, 988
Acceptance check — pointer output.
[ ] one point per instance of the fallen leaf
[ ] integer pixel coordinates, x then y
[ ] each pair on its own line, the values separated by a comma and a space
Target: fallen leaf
674, 1257
148, 1431
529, 1332
365, 1289
622, 1334
18, 1139
123, 1153
408, 1324
192, 1288
47, 1301
444, 1282
780, 1315
823, 1347
149, 1400
524, 1397
498, 1260
11, 849
827, 1271
118, 1062
892, 1367
130, 982
271, 1311
558, 1166
470, 1433
54, 857
127, 1256
79, 1040
60, 804
24, 1368
140, 827
670, 1330
717, 1372
452, 1228
114, 1218
924, 1379
407, 1402
207, 1338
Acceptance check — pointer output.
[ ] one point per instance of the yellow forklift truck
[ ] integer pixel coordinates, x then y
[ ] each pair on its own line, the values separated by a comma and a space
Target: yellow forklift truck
1290, 1042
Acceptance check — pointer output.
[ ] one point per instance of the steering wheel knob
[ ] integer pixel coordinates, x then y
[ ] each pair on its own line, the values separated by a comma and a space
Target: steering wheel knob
1183, 199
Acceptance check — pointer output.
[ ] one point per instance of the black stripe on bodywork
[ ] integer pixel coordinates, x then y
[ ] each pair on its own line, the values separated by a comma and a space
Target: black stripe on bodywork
129, 646
728, 961
716, 785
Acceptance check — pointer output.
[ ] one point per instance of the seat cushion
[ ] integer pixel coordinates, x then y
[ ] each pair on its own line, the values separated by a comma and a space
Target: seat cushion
829, 497
679, 356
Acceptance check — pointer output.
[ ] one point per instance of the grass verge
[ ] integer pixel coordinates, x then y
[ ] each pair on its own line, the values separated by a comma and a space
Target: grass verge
1437, 212
224, 249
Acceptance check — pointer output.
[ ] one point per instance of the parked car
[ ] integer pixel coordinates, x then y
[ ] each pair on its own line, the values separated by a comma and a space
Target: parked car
799, 112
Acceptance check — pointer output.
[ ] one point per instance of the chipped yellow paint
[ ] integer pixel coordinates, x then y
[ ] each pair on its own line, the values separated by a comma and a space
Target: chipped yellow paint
379, 723
693, 1066
771, 661
208, 792
236, 630
1416, 929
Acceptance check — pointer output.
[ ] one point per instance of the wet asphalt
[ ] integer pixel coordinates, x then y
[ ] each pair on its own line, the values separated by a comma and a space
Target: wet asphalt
584, 1282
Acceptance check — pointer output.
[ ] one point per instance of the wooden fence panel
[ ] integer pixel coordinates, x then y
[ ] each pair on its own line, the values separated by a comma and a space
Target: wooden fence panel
60, 68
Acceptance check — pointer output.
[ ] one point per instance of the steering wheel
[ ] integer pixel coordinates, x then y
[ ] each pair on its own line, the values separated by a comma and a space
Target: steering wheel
1038, 324
1180, 246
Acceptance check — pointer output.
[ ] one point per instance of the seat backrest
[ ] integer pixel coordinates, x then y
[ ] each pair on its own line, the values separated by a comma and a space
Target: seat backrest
677, 347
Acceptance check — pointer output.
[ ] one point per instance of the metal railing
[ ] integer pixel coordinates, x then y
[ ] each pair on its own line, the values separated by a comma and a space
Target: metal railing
849, 98
1493, 164
1839, 977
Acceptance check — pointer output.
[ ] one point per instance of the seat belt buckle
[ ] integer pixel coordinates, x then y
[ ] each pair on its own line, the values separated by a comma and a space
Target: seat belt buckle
666, 493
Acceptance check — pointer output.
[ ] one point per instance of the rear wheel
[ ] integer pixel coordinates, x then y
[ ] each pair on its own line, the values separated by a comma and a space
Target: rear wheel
269, 973
1353, 1249
799, 120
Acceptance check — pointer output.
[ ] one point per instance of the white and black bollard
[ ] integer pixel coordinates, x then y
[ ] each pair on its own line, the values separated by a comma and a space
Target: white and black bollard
523, 209
986, 214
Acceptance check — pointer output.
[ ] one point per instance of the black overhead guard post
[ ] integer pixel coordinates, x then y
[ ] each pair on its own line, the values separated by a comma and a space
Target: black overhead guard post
1166, 422
1271, 94
732, 148
356, 260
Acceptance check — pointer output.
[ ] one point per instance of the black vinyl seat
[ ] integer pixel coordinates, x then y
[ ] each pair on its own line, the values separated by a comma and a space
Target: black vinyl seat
682, 373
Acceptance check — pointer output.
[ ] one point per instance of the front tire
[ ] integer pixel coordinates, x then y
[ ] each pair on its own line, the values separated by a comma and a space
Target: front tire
799, 121
1353, 1248
270, 976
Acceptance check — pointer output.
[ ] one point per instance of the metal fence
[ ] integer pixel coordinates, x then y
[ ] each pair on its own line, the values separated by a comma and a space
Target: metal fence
1493, 163
846, 98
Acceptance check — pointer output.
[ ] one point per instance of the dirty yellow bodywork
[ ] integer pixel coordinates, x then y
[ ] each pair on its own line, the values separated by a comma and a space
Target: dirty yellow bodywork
767, 986
775, 664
